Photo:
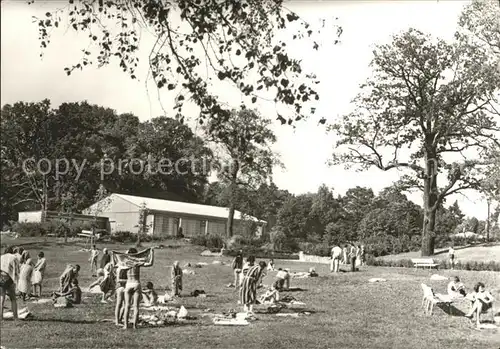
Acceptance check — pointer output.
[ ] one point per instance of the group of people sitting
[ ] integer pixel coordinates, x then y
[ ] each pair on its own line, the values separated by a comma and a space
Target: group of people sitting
20, 276
481, 300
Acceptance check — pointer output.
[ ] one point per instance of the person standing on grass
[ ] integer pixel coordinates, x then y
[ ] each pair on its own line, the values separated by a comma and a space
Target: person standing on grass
363, 256
176, 277
237, 266
9, 276
133, 288
344, 255
105, 259
38, 273
18, 252
25, 274
352, 257
94, 253
451, 256
248, 291
121, 281
336, 255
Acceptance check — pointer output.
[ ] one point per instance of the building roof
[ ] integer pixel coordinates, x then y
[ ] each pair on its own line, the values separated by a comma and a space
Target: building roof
185, 207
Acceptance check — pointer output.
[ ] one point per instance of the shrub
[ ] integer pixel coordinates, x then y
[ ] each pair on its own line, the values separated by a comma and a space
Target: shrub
210, 241
407, 263
123, 237
318, 249
263, 254
30, 229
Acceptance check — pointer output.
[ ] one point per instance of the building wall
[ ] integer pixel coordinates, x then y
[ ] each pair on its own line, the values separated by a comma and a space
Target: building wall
123, 215
30, 217
216, 227
164, 225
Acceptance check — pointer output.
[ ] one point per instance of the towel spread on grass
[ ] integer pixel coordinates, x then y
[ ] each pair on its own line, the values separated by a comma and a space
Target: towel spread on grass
127, 261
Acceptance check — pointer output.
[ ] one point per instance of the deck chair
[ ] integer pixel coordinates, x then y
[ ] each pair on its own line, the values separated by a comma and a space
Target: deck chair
431, 299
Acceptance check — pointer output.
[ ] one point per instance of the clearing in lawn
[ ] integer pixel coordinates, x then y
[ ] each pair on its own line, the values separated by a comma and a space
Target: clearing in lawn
346, 311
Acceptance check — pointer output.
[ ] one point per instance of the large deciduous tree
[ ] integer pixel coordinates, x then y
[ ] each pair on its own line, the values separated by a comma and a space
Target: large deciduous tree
429, 109
236, 41
245, 158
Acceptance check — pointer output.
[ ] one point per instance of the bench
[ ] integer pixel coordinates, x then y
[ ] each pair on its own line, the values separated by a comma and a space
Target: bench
424, 262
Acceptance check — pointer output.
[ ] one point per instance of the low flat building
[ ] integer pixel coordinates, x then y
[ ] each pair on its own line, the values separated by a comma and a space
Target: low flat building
164, 217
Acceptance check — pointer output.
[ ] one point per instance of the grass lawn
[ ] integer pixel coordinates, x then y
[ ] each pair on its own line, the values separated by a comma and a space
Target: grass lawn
349, 311
481, 253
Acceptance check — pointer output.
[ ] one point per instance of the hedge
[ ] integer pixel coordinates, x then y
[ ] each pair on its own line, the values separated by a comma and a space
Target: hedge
263, 254
407, 263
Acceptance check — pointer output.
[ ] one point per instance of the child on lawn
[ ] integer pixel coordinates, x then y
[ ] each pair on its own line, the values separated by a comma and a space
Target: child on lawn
24, 285
38, 273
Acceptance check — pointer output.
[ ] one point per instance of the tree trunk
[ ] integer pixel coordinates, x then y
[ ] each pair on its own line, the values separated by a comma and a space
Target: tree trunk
44, 199
430, 206
230, 221
488, 221
232, 197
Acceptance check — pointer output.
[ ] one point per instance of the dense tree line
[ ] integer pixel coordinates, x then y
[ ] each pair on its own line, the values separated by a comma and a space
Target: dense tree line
93, 139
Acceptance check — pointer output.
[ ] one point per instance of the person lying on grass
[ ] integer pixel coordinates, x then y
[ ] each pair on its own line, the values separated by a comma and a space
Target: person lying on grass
149, 296
482, 301
73, 295
456, 289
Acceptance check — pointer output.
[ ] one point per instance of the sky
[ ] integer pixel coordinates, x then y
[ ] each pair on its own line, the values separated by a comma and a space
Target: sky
304, 150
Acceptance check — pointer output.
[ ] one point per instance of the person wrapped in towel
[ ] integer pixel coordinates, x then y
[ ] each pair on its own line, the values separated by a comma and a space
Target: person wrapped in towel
176, 277
24, 284
38, 274
248, 291
70, 297
67, 277
282, 280
9, 277
132, 261
149, 296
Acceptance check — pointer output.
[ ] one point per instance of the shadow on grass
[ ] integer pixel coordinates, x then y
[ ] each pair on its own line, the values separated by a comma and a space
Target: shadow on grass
68, 321
451, 310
